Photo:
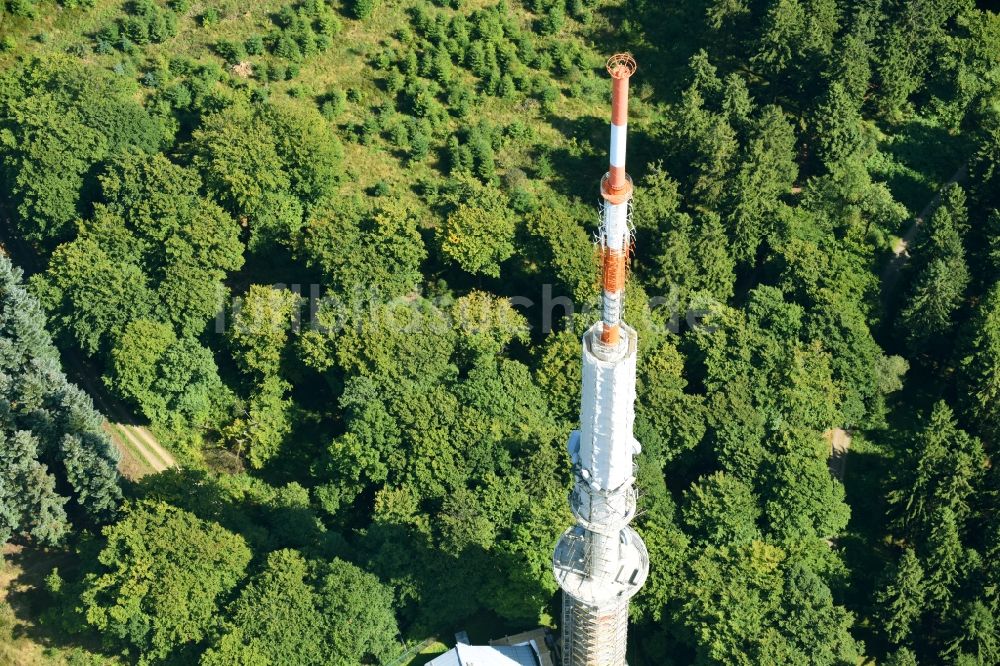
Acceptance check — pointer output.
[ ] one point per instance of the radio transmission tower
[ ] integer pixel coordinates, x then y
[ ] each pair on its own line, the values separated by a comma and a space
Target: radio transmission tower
601, 562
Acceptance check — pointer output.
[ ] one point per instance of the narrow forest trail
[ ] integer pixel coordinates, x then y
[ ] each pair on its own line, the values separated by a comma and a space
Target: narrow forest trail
840, 444
141, 453
840, 439
901, 250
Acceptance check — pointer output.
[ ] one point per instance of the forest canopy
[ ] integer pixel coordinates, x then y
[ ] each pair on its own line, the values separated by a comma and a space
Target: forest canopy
338, 255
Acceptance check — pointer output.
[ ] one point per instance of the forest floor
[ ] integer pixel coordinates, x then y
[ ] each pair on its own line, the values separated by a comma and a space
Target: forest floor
16, 648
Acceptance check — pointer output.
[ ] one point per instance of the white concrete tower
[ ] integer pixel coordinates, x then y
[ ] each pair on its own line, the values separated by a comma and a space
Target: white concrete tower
601, 562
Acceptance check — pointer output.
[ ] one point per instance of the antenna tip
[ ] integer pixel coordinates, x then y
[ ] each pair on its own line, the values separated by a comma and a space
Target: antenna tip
621, 65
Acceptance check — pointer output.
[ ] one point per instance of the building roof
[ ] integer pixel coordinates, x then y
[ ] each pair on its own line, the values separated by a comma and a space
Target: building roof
538, 638
483, 655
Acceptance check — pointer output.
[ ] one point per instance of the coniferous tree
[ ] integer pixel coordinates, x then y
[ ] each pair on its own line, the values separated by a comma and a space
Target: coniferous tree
839, 128
992, 233
941, 274
902, 657
947, 468
852, 67
765, 175
51, 436
980, 367
978, 638
936, 294
913, 30
946, 562
737, 103
991, 560
795, 31
675, 268
901, 600
29, 503
91, 470
716, 267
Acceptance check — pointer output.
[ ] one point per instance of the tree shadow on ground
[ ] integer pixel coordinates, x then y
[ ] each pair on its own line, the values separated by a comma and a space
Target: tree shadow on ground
864, 550
22, 584
867, 547
662, 42
925, 156
444, 592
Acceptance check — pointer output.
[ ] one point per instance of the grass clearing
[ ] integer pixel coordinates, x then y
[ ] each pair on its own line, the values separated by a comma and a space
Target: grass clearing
569, 130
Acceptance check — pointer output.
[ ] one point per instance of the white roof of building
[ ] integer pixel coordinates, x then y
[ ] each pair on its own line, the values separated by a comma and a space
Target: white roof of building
484, 655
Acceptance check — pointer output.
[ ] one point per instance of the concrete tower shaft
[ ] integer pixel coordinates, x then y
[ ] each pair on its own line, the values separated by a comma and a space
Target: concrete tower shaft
601, 562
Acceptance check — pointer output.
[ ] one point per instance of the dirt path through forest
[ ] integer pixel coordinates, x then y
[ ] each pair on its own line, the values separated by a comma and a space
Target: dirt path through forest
136, 442
840, 444
141, 453
901, 250
152, 446
840, 439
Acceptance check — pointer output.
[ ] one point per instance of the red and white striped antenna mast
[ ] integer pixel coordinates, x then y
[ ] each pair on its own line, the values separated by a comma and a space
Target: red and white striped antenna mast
616, 190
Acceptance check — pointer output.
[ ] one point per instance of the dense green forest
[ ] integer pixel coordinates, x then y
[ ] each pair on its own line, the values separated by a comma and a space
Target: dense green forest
325, 250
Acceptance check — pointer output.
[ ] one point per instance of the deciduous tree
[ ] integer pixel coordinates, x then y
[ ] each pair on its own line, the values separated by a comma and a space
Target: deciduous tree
275, 619
161, 580
478, 233
89, 296
358, 612
720, 510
